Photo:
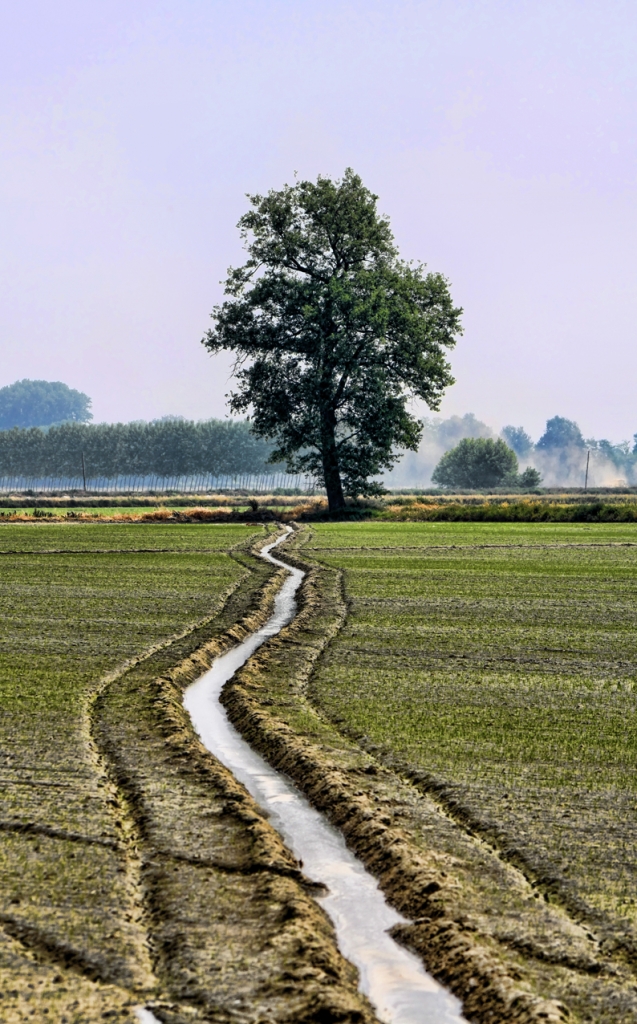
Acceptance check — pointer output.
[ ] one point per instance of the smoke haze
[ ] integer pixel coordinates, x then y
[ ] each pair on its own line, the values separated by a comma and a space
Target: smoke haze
439, 435
563, 466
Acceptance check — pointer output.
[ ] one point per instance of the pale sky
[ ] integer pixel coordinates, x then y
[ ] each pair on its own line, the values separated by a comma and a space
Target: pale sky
501, 138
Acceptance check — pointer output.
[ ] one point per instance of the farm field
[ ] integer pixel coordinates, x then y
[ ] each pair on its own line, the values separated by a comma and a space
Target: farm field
136, 513
495, 666
76, 602
489, 668
117, 832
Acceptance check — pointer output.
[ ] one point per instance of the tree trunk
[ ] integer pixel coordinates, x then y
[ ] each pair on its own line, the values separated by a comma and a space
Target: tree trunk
331, 470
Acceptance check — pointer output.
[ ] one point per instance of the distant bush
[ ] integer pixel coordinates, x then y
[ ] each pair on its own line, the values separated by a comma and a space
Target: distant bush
529, 479
477, 462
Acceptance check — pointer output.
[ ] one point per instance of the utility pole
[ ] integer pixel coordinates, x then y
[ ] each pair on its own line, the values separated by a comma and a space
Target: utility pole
588, 455
84, 472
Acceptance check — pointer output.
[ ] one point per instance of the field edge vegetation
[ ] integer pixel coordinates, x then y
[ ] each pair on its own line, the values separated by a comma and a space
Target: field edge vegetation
284, 508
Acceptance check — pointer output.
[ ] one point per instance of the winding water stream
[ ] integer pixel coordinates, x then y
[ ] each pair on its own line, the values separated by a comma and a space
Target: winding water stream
393, 979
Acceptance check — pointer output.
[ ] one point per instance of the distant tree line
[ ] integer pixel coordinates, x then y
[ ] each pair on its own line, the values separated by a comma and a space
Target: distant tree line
563, 438
165, 448
562, 455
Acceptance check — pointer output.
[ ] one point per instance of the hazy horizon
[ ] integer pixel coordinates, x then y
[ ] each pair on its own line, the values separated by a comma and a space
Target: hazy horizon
498, 136
557, 466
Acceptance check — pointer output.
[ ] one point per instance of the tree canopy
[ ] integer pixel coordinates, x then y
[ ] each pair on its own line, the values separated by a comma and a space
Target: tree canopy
39, 403
561, 433
170, 447
518, 439
477, 462
333, 333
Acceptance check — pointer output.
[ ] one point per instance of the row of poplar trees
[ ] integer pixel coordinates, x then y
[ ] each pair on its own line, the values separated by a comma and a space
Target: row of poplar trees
167, 448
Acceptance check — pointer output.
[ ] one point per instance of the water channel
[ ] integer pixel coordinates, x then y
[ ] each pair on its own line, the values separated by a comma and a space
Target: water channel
393, 979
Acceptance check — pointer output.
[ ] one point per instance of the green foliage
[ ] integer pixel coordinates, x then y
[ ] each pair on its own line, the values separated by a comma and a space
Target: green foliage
476, 462
561, 433
39, 403
165, 448
529, 479
333, 333
518, 439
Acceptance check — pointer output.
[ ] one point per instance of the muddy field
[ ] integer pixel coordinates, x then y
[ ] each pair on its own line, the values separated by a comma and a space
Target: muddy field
457, 698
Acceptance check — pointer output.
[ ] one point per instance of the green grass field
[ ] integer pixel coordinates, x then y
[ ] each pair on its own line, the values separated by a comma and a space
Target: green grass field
500, 662
76, 601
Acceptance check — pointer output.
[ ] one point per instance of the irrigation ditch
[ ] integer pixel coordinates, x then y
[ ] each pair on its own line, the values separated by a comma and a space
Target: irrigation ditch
351, 790
393, 978
267, 701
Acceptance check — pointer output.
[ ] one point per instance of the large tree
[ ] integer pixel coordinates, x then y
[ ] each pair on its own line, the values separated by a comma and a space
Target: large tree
333, 333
